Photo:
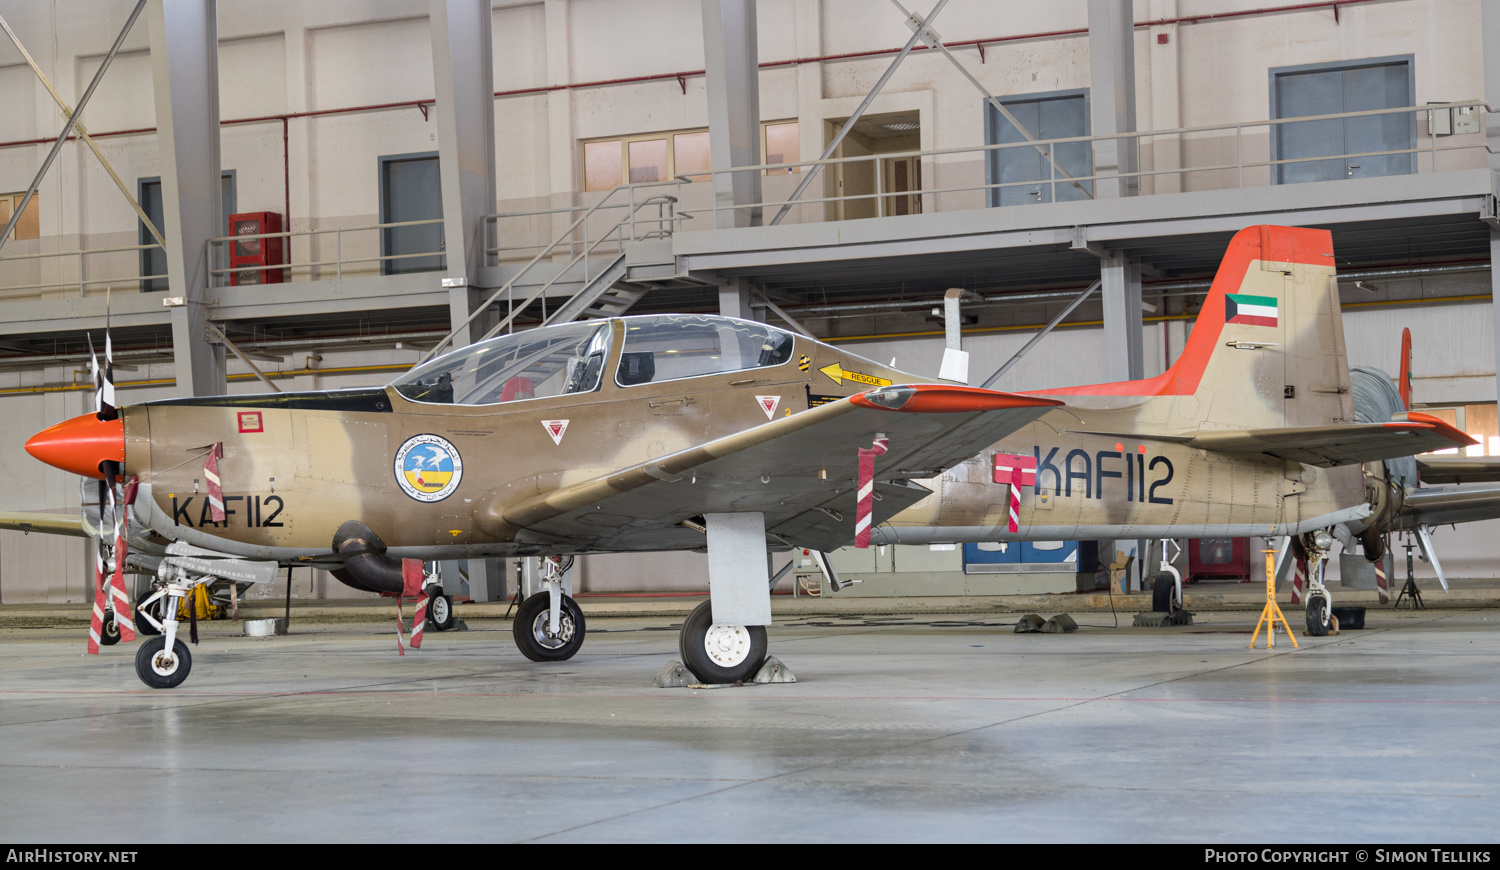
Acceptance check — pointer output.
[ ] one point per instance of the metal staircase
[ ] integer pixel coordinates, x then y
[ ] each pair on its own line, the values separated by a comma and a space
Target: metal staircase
605, 292
606, 295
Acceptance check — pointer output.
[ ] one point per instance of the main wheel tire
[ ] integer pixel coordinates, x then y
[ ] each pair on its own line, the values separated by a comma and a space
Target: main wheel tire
1163, 593
109, 632
720, 653
141, 625
439, 610
161, 670
1317, 616
530, 629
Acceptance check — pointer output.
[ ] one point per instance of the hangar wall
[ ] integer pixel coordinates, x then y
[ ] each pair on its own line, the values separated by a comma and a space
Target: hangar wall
287, 57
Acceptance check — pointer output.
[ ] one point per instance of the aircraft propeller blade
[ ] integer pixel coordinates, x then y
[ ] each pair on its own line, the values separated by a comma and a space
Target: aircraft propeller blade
106, 400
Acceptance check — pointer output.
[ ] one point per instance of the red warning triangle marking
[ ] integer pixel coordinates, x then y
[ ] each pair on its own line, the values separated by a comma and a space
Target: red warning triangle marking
555, 428
768, 404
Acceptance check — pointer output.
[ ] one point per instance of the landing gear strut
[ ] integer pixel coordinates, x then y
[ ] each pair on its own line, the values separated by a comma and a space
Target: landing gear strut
164, 662
1166, 585
1319, 601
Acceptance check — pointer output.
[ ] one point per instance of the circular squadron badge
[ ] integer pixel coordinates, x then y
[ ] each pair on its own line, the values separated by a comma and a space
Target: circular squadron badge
428, 467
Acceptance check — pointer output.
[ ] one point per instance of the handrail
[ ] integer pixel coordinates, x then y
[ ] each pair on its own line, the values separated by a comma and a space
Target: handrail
1236, 129
1145, 173
1104, 137
287, 233
564, 237
82, 283
81, 251
338, 262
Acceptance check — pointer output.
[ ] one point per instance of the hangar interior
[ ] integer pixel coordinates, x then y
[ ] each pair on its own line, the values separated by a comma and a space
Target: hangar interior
415, 169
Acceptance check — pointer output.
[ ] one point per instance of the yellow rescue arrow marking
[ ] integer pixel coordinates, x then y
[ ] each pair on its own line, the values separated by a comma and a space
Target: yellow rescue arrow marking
839, 375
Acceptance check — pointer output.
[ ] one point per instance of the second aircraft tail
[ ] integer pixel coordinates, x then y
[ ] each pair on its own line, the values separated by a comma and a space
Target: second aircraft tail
1266, 350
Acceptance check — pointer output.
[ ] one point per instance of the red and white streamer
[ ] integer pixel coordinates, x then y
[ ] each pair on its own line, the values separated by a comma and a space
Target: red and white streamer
865, 503
1015, 472
1299, 578
96, 621
1382, 586
411, 581
215, 487
119, 600
400, 628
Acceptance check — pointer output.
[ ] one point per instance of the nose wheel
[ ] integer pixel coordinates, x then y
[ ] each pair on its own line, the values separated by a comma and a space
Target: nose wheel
535, 636
439, 609
109, 632
162, 669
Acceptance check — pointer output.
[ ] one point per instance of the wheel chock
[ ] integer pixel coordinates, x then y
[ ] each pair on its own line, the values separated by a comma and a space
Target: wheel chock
1163, 620
1030, 623
773, 671
673, 676
1060, 624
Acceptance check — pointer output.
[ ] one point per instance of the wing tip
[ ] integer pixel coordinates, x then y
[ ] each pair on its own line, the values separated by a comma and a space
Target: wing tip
1443, 427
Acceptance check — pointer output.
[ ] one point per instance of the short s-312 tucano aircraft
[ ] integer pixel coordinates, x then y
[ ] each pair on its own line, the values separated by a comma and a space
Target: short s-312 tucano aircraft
686, 432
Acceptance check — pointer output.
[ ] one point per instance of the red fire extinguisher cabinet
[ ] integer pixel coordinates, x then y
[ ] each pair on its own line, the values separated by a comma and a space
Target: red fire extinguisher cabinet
1219, 558
250, 257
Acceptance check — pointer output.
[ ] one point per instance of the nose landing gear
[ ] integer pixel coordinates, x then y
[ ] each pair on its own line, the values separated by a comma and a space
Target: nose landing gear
549, 627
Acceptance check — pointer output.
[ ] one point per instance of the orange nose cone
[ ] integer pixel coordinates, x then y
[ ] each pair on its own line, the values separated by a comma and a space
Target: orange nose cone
80, 444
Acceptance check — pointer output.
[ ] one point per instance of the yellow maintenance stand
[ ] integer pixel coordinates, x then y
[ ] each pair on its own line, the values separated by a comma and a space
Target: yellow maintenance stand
1272, 611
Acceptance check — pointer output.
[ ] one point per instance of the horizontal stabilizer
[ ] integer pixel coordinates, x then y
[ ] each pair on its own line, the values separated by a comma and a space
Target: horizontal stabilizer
1439, 507
47, 524
1439, 469
1339, 444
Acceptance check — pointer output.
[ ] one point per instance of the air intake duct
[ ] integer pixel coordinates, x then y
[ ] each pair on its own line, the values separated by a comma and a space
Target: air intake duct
366, 565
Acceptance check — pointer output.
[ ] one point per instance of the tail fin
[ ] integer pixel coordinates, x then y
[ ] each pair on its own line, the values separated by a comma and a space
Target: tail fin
1267, 348
1404, 384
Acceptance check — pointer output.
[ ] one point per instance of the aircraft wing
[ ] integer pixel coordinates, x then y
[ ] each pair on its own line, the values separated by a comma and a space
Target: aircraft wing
799, 471
47, 524
1441, 506
1339, 444
1441, 469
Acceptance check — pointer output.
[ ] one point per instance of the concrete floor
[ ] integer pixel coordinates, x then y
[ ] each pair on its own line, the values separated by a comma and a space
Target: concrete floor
941, 732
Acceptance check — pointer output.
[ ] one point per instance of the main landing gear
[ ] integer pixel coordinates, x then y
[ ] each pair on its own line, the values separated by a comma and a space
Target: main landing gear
721, 653
1166, 585
549, 626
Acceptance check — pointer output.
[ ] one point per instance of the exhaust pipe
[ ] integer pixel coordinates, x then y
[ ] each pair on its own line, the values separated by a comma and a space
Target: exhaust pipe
366, 566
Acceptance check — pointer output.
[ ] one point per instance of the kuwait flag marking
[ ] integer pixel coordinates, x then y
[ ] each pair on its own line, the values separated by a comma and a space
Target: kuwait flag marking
1254, 310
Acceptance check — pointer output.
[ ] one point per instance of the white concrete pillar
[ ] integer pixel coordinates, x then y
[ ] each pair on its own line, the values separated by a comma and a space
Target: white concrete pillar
732, 80
1489, 11
185, 78
463, 72
1112, 94
1121, 290
1166, 100
734, 300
